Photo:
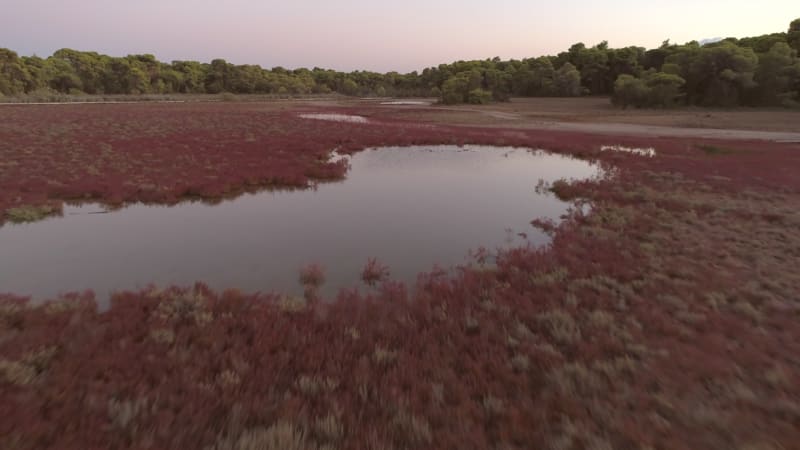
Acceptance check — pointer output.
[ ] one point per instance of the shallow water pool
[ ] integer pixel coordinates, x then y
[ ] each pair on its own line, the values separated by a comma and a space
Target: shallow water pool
408, 207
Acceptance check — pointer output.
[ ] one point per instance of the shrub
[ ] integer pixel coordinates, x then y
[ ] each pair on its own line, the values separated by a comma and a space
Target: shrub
563, 190
454, 90
664, 89
228, 97
653, 89
629, 91
479, 96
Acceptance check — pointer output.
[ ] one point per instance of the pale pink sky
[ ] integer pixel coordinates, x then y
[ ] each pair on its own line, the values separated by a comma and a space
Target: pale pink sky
372, 35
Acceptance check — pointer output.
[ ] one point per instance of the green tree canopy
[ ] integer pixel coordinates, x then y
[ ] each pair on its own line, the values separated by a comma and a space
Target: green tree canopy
13, 75
567, 81
757, 70
793, 36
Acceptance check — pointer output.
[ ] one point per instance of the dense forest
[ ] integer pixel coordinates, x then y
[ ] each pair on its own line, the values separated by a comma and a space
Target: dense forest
754, 71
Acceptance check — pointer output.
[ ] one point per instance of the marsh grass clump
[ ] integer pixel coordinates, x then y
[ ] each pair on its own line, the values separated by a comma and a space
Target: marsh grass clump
561, 326
715, 150
352, 333
312, 276
292, 303
228, 378
28, 369
328, 429
493, 406
411, 430
520, 363
563, 190
163, 335
471, 325
17, 372
30, 213
313, 385
123, 413
186, 305
384, 357
577, 379
63, 305
555, 276
282, 435
374, 272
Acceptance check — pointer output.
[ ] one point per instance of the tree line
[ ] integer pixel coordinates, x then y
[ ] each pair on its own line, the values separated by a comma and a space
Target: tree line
754, 71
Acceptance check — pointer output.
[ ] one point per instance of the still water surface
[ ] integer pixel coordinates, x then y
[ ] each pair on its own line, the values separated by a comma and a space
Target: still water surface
410, 207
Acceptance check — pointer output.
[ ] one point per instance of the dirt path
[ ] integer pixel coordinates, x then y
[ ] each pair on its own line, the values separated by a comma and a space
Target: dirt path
631, 129
596, 116
655, 130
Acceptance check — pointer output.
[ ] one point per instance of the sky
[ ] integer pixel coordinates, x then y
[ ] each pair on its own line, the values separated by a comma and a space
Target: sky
401, 35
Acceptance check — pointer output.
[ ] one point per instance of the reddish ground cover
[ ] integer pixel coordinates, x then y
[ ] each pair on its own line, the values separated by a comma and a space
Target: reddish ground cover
168, 152
164, 153
665, 318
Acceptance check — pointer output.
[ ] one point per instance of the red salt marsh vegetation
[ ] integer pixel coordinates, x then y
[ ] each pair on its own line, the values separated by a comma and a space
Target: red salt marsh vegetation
665, 317
169, 152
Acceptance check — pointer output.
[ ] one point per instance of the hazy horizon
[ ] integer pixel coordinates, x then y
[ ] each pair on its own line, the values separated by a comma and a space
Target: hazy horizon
363, 35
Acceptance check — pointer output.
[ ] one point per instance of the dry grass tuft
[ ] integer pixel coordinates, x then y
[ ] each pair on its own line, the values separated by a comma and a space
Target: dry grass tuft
471, 325
520, 363
61, 306
410, 430
328, 429
29, 368
279, 436
493, 406
312, 386
188, 305
163, 335
30, 213
228, 378
561, 326
777, 378
384, 357
123, 414
292, 304
352, 333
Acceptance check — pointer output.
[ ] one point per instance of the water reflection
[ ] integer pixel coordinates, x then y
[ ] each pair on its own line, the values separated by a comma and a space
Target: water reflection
409, 207
336, 117
408, 102
644, 151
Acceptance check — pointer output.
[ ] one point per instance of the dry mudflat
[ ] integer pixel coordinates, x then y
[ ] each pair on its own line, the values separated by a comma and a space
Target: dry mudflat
537, 112
664, 317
